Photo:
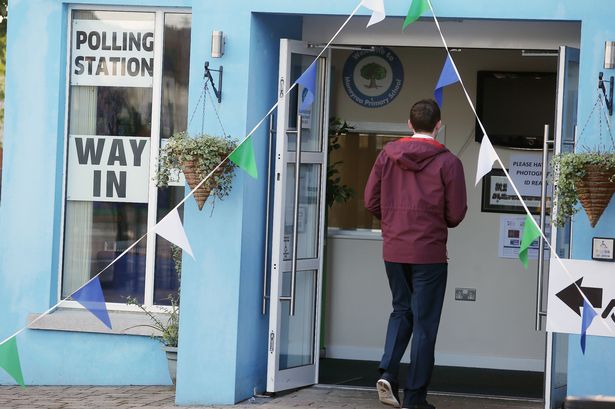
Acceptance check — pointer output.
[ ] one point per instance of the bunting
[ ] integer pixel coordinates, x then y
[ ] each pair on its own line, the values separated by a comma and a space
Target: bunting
308, 80
9, 360
92, 298
448, 76
417, 8
588, 316
243, 157
377, 8
172, 229
530, 234
486, 158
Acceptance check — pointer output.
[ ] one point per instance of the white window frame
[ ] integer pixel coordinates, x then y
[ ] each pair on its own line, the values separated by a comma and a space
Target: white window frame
152, 206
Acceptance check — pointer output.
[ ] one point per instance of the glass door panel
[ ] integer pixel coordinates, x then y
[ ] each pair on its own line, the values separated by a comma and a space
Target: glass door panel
297, 331
311, 125
308, 211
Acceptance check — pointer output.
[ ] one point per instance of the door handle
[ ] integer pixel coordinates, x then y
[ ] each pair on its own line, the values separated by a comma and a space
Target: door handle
541, 244
293, 276
267, 211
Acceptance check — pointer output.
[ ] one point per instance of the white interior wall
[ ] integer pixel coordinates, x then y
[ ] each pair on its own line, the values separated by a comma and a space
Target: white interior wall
496, 331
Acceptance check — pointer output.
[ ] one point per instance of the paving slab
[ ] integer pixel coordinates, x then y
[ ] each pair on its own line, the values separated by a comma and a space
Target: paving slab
161, 397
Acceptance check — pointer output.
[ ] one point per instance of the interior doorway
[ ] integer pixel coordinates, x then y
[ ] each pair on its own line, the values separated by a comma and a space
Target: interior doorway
487, 331
487, 343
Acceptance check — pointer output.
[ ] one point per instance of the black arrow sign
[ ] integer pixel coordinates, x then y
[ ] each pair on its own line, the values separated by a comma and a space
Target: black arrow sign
573, 298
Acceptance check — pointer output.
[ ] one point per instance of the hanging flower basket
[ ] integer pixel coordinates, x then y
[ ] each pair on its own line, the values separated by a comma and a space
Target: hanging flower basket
197, 157
586, 177
193, 177
595, 190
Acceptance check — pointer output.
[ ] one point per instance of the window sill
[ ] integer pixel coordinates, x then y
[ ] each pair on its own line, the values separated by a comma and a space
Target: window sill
81, 320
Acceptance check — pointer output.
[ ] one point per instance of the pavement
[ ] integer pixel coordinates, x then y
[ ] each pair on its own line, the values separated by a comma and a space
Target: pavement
78, 397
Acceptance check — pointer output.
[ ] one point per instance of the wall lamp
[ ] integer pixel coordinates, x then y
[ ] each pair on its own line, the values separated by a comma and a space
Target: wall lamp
217, 44
609, 63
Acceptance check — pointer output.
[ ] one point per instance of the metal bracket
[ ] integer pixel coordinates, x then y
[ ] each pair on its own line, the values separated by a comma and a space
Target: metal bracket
208, 77
607, 99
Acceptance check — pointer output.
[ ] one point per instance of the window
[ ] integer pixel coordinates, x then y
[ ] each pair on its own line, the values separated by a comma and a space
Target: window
357, 154
128, 92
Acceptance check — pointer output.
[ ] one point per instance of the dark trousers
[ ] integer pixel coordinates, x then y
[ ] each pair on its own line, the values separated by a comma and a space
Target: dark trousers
418, 294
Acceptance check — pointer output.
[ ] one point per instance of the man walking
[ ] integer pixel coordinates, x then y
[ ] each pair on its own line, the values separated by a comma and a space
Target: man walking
417, 189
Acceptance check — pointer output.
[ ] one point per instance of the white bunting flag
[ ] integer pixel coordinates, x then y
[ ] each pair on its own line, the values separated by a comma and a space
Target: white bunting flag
486, 157
171, 228
377, 8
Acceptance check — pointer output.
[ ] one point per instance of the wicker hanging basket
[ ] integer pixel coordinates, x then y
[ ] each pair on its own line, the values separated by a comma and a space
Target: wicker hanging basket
189, 168
595, 190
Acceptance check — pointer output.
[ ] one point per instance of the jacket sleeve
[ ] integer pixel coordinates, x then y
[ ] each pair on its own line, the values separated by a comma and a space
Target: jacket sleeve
372, 189
455, 194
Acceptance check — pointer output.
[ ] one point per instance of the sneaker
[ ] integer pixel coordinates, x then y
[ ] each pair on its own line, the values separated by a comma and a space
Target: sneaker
388, 392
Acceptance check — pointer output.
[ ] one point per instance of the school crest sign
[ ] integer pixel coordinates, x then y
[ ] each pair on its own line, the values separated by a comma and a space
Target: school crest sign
373, 78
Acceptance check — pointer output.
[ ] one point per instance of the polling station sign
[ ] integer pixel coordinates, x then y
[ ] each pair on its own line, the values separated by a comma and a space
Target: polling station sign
108, 168
112, 53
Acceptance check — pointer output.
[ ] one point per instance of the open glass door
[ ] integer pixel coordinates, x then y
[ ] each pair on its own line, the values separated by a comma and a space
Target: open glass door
556, 375
298, 221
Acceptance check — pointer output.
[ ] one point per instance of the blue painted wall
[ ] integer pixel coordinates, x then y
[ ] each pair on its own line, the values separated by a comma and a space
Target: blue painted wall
223, 336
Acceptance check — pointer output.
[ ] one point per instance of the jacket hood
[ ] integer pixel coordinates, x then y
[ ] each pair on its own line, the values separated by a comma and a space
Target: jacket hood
413, 154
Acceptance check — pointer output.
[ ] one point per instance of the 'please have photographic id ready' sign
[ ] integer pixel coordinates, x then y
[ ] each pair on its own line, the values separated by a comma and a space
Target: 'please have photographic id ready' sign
112, 53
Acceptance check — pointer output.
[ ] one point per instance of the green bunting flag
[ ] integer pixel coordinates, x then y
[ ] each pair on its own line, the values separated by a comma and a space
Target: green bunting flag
244, 158
9, 360
530, 234
417, 8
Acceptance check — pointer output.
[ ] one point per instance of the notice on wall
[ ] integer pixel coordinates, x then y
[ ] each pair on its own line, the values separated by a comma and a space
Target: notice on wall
108, 168
511, 232
565, 308
112, 53
526, 173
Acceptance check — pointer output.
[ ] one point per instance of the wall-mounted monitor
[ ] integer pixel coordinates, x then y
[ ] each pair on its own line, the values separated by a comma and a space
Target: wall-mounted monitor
515, 106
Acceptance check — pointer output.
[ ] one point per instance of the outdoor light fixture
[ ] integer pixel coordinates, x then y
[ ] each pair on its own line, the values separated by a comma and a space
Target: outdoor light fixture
609, 63
609, 55
217, 44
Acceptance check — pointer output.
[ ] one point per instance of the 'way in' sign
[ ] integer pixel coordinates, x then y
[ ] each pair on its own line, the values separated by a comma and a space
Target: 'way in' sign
109, 168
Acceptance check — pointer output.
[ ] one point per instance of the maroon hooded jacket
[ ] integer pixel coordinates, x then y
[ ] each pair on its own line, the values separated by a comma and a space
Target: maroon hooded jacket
417, 189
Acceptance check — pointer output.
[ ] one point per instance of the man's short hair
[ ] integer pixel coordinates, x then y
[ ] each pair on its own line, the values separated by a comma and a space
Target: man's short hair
424, 115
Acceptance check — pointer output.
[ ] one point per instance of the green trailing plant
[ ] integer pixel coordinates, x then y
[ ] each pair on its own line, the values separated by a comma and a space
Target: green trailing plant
337, 192
168, 327
568, 170
198, 156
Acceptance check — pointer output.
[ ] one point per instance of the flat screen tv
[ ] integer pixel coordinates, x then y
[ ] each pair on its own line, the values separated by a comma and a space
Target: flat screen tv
515, 106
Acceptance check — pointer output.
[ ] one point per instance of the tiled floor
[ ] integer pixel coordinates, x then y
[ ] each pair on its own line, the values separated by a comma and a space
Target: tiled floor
74, 397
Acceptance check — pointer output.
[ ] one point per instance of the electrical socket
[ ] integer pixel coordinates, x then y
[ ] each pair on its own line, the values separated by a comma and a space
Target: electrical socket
465, 294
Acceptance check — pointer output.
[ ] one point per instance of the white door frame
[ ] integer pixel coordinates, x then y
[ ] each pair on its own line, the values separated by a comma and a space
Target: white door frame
291, 378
